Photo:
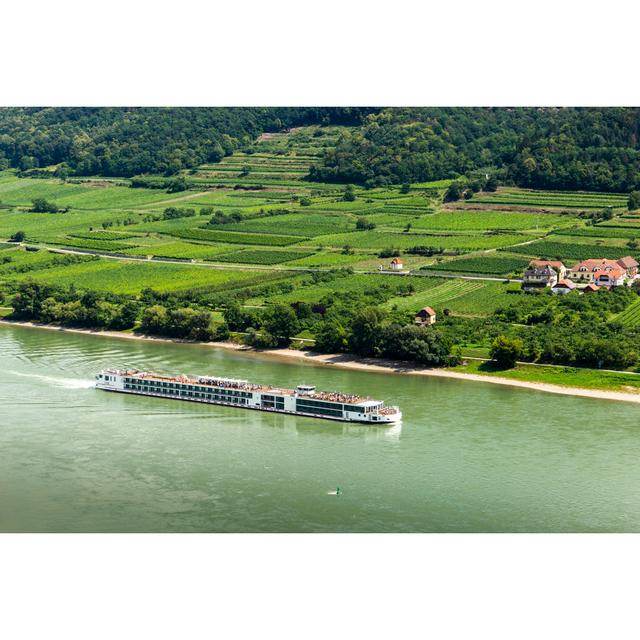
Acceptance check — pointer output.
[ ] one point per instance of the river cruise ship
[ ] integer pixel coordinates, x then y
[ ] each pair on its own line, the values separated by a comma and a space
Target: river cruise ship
304, 400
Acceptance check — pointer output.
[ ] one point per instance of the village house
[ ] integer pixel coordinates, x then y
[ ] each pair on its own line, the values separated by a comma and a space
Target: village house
562, 287
539, 278
396, 265
425, 316
630, 266
603, 272
556, 265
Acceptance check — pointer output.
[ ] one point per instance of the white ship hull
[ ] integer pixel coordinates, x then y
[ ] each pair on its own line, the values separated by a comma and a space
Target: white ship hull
240, 394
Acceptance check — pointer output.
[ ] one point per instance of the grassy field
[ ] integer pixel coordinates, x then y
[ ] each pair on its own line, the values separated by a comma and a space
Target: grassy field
564, 376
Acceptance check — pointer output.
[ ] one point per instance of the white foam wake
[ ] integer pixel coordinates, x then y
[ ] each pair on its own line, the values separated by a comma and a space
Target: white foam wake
65, 383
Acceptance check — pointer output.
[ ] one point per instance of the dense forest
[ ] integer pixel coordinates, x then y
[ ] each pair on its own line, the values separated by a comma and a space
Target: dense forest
128, 141
553, 148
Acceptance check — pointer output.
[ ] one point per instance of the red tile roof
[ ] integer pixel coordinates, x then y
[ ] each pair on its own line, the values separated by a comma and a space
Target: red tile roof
613, 274
564, 284
557, 264
597, 264
428, 310
627, 262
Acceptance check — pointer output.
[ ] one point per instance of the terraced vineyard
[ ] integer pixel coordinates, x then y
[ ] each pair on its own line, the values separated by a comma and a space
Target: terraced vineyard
486, 221
259, 256
236, 237
600, 231
553, 199
179, 250
381, 240
491, 264
295, 224
385, 287
132, 277
97, 245
573, 251
630, 317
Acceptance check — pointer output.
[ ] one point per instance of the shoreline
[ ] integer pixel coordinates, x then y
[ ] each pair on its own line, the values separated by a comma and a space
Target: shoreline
348, 361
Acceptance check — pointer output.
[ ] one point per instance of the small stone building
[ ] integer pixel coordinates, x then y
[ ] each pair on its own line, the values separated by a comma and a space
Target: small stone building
425, 316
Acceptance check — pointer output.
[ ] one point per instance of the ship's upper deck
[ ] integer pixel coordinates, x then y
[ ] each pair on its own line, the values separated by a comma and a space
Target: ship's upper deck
303, 391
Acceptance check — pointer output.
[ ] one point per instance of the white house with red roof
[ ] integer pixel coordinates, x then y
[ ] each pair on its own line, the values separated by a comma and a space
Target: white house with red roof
604, 273
564, 286
425, 316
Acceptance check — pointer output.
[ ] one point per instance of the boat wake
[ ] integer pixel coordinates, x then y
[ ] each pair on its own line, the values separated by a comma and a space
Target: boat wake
65, 383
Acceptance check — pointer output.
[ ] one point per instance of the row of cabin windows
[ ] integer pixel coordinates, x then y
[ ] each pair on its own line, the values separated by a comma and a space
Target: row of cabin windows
329, 405
306, 407
332, 407
155, 384
190, 394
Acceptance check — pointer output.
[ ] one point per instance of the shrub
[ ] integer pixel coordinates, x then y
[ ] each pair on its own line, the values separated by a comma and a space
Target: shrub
506, 351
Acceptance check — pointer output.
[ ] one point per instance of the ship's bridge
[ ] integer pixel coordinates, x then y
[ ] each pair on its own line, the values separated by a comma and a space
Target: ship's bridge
370, 406
305, 389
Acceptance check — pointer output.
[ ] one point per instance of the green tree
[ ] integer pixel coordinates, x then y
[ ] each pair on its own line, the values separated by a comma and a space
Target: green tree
282, 323
506, 351
634, 201
349, 194
178, 184
40, 205
491, 184
221, 332
18, 236
362, 224
154, 319
126, 316
331, 336
366, 331
453, 192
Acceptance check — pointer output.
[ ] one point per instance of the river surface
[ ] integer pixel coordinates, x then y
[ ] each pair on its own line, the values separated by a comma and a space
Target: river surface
468, 456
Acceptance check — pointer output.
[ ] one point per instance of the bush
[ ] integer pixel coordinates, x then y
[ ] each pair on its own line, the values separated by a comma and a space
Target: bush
506, 351
349, 194
362, 224
40, 205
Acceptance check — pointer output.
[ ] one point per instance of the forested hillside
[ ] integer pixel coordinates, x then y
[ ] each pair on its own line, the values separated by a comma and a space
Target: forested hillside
558, 148
593, 149
128, 141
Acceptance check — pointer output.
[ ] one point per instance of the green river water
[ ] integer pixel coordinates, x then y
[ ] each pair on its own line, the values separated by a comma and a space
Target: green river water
468, 457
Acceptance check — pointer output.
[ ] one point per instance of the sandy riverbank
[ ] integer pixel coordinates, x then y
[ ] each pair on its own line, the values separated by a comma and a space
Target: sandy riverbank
348, 361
